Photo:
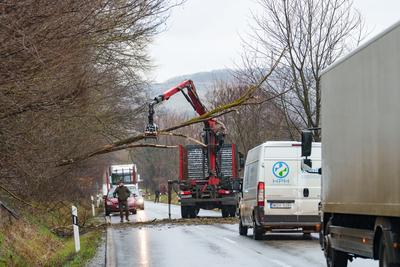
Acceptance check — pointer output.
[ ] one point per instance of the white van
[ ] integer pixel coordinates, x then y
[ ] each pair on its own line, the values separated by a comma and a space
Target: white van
277, 194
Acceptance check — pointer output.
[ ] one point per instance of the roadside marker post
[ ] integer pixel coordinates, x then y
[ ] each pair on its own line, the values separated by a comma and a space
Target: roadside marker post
93, 210
170, 184
76, 229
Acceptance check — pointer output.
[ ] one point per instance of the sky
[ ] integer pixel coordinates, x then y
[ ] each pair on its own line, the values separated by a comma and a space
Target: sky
203, 35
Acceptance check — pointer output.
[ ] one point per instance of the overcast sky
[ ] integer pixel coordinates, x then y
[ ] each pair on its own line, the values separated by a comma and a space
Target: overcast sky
203, 35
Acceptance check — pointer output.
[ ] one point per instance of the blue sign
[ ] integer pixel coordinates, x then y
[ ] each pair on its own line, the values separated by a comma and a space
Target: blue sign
280, 169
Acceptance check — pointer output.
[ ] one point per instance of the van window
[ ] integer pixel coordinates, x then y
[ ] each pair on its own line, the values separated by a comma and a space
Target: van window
251, 175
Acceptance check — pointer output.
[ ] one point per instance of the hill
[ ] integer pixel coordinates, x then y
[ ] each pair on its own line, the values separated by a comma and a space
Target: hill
203, 81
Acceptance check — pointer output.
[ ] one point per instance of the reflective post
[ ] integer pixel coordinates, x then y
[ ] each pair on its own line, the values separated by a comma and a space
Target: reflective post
76, 228
93, 210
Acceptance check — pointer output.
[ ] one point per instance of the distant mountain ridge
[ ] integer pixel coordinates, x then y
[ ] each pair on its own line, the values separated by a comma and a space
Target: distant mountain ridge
203, 81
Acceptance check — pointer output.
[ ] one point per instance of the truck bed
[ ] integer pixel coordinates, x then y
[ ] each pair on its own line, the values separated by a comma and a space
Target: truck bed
361, 130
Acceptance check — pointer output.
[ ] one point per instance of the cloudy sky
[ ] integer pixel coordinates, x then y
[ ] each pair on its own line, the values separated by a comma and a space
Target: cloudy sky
203, 35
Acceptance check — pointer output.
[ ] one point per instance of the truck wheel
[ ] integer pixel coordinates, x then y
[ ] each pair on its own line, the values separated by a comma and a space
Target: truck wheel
334, 258
224, 211
184, 212
242, 229
257, 232
192, 212
134, 211
384, 256
232, 211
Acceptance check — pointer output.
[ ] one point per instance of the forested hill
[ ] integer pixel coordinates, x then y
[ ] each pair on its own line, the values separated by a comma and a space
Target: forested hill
204, 82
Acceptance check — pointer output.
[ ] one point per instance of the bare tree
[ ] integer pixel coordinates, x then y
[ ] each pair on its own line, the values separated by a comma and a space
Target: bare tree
314, 34
255, 122
70, 81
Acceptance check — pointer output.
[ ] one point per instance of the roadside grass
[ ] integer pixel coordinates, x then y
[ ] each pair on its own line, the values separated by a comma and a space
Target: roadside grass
31, 241
164, 198
69, 258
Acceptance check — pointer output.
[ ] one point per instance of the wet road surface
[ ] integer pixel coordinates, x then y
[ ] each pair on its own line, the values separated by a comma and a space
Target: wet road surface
207, 245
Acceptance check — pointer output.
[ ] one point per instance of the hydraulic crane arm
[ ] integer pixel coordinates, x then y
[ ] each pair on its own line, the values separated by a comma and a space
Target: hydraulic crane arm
191, 96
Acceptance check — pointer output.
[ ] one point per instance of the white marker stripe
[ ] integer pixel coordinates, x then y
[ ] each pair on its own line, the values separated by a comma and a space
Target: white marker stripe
280, 263
229, 240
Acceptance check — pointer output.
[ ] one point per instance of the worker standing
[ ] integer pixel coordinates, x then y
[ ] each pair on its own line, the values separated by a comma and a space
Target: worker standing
123, 194
157, 196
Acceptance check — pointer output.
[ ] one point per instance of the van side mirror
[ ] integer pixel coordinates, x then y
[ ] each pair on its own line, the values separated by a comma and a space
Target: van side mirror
308, 162
241, 161
306, 143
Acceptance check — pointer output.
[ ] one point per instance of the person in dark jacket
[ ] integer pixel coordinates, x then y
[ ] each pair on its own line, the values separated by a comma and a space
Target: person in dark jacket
123, 194
157, 196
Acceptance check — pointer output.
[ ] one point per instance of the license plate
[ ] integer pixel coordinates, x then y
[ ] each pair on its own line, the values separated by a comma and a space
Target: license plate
280, 205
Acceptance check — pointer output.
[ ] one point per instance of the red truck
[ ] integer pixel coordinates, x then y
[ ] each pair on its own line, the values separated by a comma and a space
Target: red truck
208, 174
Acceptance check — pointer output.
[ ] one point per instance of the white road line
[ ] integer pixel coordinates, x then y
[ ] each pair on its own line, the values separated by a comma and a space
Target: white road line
229, 240
110, 252
280, 263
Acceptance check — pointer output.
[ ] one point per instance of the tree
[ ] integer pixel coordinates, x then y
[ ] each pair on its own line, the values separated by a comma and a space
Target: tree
314, 33
255, 122
70, 81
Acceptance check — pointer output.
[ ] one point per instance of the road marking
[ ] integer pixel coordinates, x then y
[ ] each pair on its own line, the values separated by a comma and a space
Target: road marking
110, 252
280, 263
229, 240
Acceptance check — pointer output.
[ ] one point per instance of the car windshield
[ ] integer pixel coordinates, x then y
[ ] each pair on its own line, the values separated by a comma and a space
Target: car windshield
131, 188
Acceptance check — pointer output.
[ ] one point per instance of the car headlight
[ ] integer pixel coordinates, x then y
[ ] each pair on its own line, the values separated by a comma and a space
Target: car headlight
109, 203
140, 201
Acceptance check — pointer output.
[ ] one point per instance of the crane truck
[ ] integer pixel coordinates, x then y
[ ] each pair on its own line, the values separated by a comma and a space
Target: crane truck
208, 174
360, 129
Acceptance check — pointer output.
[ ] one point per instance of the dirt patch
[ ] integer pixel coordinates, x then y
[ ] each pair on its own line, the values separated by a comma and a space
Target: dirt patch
172, 222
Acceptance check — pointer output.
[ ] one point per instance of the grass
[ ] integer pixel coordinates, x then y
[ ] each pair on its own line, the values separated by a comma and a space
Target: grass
164, 198
30, 242
67, 256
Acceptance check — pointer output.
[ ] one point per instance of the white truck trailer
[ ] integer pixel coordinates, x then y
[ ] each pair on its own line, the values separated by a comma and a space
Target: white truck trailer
361, 154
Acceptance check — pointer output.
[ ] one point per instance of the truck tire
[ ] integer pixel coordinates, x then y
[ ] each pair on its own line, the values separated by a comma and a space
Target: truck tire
232, 211
192, 212
334, 258
257, 232
383, 255
242, 229
225, 211
184, 212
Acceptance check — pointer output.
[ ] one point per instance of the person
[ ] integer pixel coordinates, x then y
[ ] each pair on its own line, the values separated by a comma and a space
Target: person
157, 196
123, 194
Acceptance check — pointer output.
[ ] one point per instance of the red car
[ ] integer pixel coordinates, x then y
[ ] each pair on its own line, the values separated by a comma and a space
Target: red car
111, 203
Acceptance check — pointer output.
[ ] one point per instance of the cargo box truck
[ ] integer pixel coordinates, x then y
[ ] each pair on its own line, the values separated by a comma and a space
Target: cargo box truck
361, 154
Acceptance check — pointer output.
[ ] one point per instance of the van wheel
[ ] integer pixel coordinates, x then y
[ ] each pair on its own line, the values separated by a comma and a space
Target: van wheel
242, 229
257, 232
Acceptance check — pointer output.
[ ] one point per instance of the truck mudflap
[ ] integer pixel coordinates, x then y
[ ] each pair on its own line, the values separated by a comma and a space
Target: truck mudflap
308, 222
216, 202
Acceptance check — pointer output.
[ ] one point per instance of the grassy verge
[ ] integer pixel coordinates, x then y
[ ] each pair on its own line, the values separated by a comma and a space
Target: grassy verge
164, 198
29, 242
67, 256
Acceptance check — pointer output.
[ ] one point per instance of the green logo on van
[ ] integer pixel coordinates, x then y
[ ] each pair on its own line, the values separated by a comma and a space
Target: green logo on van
280, 169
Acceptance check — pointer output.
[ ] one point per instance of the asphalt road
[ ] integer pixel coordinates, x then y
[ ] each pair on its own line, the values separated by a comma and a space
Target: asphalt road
207, 245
